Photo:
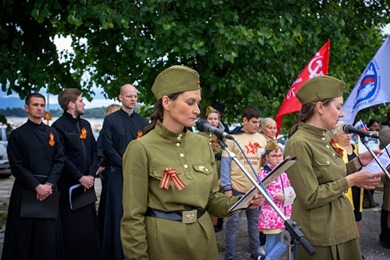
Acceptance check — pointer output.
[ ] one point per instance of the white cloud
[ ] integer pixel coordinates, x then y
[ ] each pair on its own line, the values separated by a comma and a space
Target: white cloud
63, 43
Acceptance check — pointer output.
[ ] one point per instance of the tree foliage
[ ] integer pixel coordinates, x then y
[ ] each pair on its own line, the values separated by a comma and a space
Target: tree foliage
247, 52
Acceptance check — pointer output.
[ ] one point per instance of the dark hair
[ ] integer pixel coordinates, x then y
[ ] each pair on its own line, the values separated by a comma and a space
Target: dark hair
251, 112
68, 95
158, 112
306, 112
371, 122
38, 95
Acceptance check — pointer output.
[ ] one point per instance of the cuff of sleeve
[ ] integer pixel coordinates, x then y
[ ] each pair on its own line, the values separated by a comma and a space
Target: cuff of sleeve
360, 162
343, 185
351, 168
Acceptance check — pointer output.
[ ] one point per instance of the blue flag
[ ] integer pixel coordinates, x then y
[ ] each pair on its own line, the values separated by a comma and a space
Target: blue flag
373, 86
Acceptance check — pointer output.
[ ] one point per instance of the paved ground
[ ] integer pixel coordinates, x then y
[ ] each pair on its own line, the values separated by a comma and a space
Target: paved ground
371, 248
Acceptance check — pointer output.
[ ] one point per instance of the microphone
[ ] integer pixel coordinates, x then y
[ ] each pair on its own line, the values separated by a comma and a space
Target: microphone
348, 129
203, 126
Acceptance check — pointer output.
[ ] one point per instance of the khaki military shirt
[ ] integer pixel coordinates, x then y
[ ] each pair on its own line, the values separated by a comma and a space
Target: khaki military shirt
143, 167
318, 178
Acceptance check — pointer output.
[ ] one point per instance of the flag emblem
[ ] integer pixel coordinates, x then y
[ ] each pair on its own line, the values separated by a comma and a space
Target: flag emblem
372, 87
368, 86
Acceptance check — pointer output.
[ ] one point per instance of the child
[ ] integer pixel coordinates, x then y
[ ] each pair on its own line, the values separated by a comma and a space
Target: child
270, 223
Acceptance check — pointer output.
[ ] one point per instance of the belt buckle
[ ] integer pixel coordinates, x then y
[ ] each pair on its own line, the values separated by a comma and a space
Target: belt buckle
189, 216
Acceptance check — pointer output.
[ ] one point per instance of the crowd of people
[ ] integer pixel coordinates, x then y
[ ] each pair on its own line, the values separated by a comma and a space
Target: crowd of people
166, 190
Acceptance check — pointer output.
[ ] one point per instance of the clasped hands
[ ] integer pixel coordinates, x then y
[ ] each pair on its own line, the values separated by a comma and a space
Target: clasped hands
87, 181
43, 191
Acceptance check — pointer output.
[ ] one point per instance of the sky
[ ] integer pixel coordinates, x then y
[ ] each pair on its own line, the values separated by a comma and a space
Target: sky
98, 100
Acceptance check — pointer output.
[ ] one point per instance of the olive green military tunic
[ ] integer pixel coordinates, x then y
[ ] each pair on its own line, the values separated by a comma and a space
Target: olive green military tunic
321, 208
145, 237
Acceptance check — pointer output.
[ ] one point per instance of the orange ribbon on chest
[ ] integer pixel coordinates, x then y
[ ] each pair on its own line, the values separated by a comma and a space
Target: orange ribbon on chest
170, 174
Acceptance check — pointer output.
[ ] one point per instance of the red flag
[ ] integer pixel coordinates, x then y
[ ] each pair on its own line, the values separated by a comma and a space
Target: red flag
318, 66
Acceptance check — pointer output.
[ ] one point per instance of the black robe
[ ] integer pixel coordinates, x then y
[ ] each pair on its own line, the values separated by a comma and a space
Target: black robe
119, 129
36, 156
80, 227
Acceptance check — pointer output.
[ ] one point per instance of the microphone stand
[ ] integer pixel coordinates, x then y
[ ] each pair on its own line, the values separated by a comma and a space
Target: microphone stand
291, 226
374, 156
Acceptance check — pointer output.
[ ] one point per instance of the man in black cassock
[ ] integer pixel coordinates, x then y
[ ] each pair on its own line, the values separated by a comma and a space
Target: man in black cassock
80, 226
36, 157
119, 129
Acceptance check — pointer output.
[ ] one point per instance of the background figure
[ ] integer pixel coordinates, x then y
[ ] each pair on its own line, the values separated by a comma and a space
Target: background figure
235, 182
368, 197
350, 151
270, 223
320, 177
36, 157
119, 129
384, 237
80, 226
213, 118
221, 109
374, 125
268, 130
104, 172
170, 179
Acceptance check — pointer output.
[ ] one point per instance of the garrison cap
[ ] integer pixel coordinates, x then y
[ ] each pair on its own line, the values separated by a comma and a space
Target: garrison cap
318, 88
210, 110
175, 79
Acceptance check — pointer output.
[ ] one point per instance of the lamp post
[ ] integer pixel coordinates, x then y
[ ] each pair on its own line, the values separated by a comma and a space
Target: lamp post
47, 116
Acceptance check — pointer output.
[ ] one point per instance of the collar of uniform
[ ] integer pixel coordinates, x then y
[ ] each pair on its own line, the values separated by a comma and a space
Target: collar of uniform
164, 132
70, 117
39, 126
312, 129
125, 113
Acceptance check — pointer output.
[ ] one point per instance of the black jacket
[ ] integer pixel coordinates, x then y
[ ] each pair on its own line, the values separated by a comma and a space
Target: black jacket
79, 146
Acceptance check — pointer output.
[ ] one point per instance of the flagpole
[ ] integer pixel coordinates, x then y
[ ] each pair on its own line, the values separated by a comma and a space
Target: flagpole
48, 107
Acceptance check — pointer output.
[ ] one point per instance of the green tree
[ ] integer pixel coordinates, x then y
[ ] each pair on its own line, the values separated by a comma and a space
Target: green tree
247, 52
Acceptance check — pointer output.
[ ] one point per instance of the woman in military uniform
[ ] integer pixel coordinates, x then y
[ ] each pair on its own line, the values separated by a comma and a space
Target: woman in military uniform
170, 179
320, 177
